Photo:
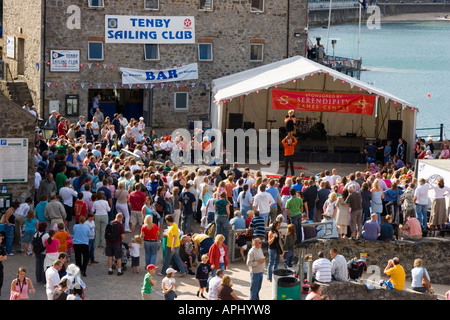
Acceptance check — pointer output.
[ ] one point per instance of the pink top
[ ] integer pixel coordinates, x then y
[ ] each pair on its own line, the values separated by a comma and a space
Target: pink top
53, 247
22, 289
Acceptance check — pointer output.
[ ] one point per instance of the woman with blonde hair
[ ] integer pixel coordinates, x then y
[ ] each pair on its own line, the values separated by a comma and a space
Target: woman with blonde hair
224, 291
150, 235
218, 255
330, 207
21, 286
377, 199
418, 274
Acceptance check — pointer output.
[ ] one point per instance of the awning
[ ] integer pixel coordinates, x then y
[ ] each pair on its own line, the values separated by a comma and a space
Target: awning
290, 69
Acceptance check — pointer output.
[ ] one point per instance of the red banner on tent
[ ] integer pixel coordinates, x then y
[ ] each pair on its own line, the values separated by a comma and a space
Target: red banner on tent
323, 102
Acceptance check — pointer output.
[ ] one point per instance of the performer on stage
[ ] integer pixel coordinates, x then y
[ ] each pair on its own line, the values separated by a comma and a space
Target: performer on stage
289, 144
290, 122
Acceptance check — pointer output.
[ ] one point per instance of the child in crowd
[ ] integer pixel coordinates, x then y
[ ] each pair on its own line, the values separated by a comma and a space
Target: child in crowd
149, 283
80, 207
168, 285
31, 225
202, 275
135, 245
62, 235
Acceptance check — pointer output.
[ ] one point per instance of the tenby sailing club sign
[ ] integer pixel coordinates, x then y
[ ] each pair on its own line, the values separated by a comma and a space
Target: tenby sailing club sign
149, 29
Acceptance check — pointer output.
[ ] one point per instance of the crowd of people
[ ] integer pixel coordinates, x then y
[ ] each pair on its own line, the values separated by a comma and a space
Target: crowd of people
89, 194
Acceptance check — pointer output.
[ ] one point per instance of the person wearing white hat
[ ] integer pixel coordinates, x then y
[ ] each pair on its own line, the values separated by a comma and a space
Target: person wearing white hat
33, 110
141, 125
168, 284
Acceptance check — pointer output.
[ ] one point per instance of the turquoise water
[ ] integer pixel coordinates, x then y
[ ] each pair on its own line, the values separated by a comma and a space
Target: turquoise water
410, 60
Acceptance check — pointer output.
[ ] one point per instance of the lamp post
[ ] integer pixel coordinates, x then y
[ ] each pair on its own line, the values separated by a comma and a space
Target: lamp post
47, 132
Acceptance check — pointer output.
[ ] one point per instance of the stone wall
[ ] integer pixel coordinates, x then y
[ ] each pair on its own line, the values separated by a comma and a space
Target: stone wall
351, 291
18, 123
230, 26
22, 20
433, 251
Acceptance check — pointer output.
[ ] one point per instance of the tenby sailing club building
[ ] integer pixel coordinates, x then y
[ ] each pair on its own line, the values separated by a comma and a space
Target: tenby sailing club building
149, 58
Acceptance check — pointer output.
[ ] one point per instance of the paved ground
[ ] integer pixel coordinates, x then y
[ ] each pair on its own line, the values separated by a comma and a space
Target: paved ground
101, 286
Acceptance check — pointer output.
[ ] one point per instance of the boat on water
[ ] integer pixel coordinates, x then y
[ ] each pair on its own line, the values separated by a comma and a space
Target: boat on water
318, 53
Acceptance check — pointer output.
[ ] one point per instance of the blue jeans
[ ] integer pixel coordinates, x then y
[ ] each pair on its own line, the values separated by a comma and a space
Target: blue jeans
222, 226
210, 217
289, 258
366, 214
244, 212
274, 260
421, 212
151, 250
256, 280
9, 237
168, 259
297, 222
91, 249
186, 223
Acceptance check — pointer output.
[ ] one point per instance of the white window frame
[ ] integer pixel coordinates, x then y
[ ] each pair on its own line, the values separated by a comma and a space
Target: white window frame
101, 4
257, 11
198, 48
262, 52
175, 100
145, 52
150, 9
203, 8
103, 51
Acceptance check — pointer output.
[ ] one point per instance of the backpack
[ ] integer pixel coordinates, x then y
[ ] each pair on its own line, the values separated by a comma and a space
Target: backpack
110, 232
38, 246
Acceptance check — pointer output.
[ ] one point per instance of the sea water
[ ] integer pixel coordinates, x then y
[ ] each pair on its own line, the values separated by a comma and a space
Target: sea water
410, 60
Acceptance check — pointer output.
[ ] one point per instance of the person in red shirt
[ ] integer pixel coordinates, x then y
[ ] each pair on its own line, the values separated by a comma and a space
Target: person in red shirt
62, 127
80, 208
137, 201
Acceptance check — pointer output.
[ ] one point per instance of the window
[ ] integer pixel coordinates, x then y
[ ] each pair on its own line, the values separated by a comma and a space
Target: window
206, 5
72, 103
95, 51
151, 4
257, 6
256, 52
181, 101
151, 52
205, 52
96, 3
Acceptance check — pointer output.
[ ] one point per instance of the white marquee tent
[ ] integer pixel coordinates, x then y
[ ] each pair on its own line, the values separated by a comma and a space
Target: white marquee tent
249, 93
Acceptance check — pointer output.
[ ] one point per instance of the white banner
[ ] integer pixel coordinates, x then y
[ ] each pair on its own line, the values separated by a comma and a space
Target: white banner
149, 29
135, 76
65, 60
10, 47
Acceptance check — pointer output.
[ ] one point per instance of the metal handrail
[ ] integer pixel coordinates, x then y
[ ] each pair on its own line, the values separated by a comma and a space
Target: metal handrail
12, 80
233, 232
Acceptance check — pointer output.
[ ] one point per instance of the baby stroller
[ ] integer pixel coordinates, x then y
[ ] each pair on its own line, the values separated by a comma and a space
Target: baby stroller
125, 257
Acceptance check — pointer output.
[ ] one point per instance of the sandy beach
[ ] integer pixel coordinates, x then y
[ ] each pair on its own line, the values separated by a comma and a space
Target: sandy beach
407, 17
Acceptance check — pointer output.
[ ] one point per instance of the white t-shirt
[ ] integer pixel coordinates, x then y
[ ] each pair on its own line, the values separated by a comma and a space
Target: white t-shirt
91, 225
167, 282
263, 201
53, 279
214, 284
67, 195
421, 193
134, 249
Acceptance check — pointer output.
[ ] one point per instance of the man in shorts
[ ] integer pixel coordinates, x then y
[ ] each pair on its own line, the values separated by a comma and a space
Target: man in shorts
114, 245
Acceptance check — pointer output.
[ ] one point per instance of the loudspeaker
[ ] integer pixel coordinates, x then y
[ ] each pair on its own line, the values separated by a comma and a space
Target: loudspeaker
235, 120
395, 128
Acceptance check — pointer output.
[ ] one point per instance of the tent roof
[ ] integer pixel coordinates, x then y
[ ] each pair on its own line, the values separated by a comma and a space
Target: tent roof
282, 71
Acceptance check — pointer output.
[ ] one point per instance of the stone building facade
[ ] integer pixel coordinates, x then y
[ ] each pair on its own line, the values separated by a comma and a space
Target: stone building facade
229, 28
18, 123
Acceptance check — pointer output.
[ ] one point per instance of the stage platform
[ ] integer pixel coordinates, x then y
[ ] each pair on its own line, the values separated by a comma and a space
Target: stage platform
343, 149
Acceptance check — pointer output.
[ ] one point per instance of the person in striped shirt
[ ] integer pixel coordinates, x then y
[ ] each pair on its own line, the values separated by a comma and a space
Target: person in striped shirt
321, 269
258, 225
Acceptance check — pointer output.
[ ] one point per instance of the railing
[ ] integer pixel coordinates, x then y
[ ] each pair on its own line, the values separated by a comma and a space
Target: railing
11, 78
440, 136
233, 232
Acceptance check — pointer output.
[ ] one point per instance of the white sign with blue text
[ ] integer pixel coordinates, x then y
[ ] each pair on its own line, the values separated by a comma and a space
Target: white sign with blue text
65, 60
135, 76
150, 29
